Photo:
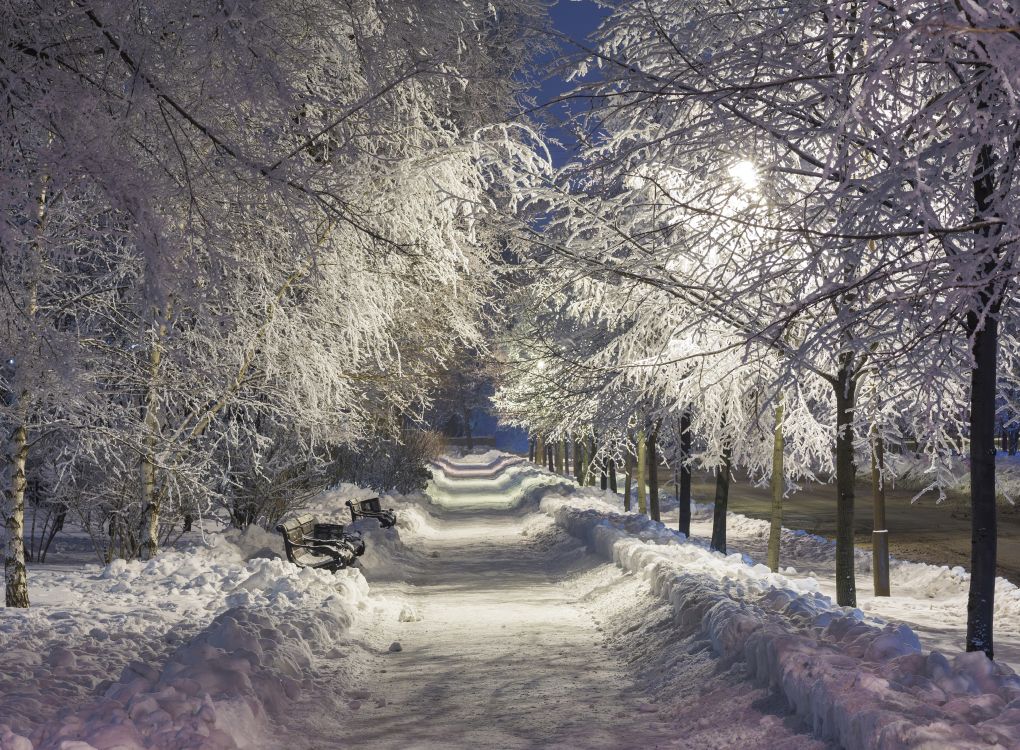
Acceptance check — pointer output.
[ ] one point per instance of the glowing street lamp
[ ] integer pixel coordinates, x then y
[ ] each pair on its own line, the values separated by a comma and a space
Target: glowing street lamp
745, 173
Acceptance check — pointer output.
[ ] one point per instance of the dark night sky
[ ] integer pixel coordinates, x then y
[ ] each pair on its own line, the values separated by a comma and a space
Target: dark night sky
575, 19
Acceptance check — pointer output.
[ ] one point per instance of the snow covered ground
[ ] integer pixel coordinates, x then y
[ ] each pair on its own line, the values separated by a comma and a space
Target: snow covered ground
857, 679
932, 599
508, 609
517, 637
210, 646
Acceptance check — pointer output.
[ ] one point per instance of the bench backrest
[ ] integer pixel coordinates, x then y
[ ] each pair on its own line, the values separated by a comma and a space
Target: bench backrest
296, 529
371, 505
328, 531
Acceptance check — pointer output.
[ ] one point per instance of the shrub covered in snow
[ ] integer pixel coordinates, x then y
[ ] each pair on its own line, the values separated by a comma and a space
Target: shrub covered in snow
388, 462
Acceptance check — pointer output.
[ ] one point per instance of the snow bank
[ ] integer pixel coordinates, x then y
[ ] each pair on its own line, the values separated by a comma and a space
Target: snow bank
211, 687
938, 581
921, 580
858, 684
217, 691
388, 556
932, 598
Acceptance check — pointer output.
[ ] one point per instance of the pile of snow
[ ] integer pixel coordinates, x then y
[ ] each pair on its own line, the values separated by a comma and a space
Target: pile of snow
330, 506
217, 691
921, 580
862, 685
180, 684
387, 552
930, 598
387, 555
939, 581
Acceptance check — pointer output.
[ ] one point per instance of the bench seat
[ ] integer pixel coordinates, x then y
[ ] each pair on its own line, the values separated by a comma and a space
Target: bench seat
372, 508
310, 544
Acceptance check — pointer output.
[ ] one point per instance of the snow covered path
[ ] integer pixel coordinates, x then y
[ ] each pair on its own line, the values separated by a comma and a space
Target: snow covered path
501, 657
529, 613
508, 652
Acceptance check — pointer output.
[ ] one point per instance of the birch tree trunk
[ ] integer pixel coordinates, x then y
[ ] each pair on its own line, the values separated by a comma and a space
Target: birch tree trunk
150, 499
16, 458
778, 486
15, 572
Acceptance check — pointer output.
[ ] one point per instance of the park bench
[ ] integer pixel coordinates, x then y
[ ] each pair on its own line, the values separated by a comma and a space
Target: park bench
310, 544
371, 508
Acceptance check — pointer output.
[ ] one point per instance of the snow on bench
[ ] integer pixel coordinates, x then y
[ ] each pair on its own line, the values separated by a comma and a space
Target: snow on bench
310, 544
371, 508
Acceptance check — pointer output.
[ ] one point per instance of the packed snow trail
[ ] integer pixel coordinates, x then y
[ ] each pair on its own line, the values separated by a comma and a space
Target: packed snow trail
506, 653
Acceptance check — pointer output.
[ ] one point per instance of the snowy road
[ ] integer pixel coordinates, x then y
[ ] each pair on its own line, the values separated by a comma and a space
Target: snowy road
509, 652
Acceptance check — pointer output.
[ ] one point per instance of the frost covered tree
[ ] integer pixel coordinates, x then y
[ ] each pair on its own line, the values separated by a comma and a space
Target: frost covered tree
270, 220
881, 141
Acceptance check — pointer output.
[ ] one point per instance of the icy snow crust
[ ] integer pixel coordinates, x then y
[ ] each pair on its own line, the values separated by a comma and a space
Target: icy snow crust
201, 648
862, 685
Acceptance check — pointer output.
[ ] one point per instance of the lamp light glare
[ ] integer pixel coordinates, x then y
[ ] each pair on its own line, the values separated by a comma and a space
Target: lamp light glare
745, 173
